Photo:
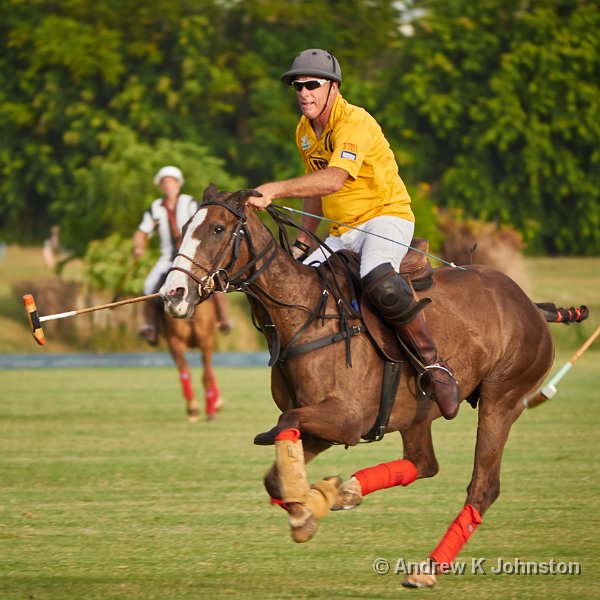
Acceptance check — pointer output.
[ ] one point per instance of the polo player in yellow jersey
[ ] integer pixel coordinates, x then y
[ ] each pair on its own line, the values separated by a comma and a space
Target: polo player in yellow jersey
352, 178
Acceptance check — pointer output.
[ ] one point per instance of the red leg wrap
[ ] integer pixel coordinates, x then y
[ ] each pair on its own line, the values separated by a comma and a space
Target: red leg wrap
456, 537
186, 385
210, 398
291, 435
280, 502
386, 475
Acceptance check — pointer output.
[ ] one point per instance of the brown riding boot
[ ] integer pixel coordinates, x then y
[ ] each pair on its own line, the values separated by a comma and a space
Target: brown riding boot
445, 390
393, 296
148, 331
221, 310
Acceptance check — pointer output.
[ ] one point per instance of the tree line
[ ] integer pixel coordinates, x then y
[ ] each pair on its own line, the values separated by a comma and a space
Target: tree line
493, 106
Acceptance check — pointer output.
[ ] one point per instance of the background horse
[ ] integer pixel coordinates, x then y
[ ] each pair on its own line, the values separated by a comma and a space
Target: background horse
327, 376
200, 331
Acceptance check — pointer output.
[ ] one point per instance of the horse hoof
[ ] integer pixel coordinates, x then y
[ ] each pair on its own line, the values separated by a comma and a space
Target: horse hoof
267, 438
420, 580
350, 495
192, 414
303, 524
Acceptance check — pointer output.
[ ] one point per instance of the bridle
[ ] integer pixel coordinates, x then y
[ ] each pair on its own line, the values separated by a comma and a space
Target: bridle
218, 276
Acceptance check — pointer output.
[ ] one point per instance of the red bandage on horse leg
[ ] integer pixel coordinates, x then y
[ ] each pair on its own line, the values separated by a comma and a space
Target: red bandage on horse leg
386, 475
186, 385
456, 537
280, 502
291, 435
211, 396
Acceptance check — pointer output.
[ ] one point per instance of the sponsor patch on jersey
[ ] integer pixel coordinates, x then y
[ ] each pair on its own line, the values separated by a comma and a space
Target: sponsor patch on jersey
348, 155
351, 147
305, 142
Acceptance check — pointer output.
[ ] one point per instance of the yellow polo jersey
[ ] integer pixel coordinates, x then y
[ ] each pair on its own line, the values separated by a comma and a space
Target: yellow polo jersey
353, 141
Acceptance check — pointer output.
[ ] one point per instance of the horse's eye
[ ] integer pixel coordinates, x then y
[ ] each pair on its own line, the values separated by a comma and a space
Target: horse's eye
218, 229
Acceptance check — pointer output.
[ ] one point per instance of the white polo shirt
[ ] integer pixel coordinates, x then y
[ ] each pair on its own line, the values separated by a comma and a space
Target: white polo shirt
156, 217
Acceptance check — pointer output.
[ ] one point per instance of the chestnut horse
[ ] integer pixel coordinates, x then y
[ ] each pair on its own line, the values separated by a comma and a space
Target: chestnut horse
198, 332
327, 375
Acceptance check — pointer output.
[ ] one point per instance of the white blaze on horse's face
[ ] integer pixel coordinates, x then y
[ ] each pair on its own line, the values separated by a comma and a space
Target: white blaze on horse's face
182, 305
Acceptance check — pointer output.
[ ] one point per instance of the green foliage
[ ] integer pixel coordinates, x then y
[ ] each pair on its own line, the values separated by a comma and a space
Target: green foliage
425, 217
498, 108
110, 194
493, 104
111, 266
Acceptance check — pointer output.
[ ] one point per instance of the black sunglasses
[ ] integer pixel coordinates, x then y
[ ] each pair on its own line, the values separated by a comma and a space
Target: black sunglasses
309, 84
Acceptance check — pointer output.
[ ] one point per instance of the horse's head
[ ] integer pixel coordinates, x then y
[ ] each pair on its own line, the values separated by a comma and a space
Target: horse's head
209, 251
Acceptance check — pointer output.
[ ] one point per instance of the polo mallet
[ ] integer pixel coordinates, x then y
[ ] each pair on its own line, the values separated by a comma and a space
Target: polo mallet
549, 390
35, 321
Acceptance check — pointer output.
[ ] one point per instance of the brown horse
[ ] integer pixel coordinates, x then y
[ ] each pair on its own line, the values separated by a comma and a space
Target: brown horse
328, 372
198, 332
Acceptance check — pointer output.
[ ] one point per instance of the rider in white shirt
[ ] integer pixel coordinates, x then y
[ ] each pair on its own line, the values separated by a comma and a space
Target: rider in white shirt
167, 215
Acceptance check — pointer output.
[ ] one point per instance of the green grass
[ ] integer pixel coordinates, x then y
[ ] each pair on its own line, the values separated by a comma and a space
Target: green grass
107, 492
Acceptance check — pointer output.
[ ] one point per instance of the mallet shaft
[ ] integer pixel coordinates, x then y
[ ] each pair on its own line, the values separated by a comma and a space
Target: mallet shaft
550, 389
81, 311
35, 321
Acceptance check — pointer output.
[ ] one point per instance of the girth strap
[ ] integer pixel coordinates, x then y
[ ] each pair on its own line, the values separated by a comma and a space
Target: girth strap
389, 388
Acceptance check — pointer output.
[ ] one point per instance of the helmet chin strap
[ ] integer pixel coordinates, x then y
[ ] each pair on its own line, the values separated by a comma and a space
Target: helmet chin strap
326, 101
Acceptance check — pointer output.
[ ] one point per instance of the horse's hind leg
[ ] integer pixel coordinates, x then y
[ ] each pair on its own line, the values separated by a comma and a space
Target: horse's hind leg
418, 462
497, 412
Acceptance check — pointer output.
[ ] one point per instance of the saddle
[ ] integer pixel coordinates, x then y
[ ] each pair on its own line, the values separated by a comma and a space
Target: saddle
416, 268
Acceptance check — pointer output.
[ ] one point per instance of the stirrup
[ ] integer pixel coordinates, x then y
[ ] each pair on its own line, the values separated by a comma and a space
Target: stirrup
149, 334
430, 368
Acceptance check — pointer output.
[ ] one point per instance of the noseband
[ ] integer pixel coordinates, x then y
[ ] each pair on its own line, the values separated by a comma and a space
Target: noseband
219, 278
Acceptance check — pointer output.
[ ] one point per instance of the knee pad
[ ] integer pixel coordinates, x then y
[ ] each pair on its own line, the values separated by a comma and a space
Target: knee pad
389, 293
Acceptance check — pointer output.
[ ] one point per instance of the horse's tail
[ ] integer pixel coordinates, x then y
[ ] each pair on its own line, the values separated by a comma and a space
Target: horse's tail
553, 314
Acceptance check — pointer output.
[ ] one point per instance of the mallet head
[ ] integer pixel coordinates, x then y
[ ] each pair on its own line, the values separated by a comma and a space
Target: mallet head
540, 397
34, 319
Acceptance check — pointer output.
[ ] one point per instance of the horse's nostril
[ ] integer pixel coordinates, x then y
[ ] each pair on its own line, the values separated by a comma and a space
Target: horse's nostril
177, 293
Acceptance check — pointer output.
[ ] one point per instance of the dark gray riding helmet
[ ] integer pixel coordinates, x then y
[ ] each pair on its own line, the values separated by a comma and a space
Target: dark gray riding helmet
317, 62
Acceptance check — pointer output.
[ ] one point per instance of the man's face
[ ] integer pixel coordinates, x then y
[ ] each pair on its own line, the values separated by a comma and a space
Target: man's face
312, 101
169, 186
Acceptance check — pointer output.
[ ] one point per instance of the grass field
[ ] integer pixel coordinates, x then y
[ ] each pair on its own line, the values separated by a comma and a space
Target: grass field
108, 493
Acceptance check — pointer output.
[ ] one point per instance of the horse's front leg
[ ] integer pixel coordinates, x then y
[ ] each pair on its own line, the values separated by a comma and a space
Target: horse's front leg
333, 419
177, 348
312, 448
287, 481
212, 396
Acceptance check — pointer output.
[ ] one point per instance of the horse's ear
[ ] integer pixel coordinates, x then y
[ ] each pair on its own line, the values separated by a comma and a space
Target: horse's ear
242, 195
210, 193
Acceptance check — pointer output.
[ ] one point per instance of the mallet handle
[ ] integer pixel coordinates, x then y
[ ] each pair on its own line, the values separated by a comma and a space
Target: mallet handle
81, 311
585, 346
